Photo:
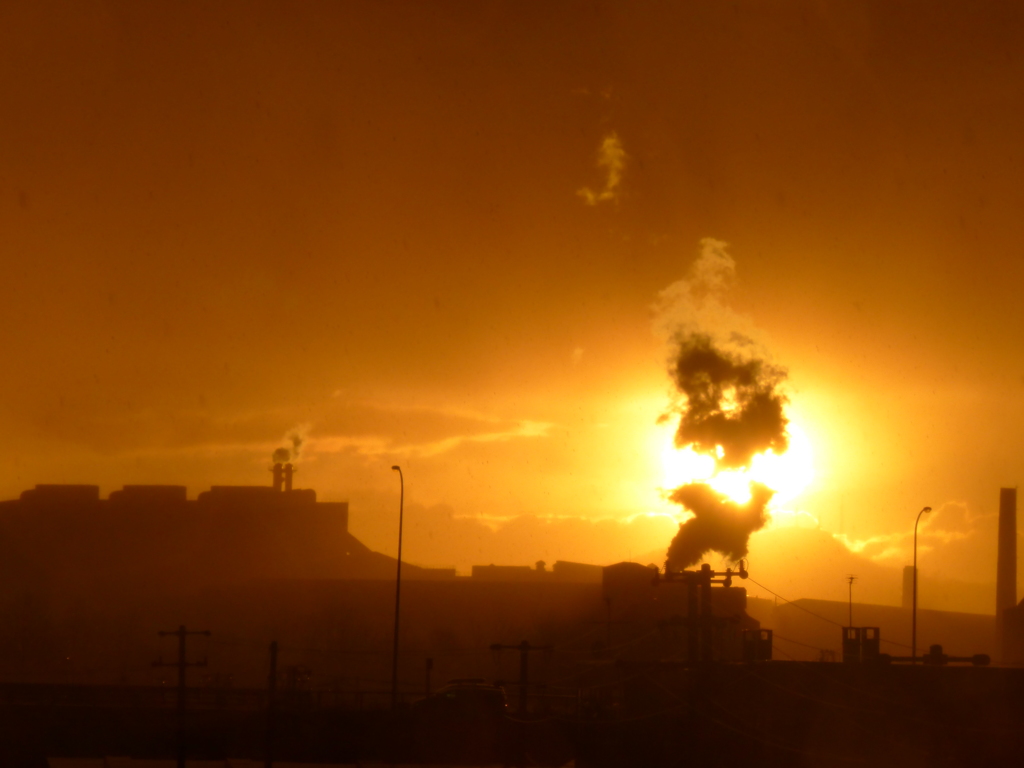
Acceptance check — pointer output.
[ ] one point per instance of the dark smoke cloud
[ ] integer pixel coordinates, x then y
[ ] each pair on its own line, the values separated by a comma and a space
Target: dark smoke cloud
718, 523
732, 408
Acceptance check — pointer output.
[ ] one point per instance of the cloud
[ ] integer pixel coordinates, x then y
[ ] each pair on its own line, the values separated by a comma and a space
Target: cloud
796, 561
813, 563
369, 428
953, 521
955, 542
170, 431
436, 535
373, 429
611, 158
373, 445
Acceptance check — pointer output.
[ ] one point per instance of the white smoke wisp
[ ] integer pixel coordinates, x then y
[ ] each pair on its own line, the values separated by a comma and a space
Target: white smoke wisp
296, 437
611, 158
696, 304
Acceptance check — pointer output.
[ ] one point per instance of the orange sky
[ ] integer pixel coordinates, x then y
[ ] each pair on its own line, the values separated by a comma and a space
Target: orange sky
433, 234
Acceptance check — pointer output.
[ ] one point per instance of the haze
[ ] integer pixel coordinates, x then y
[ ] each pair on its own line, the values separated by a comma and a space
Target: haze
440, 235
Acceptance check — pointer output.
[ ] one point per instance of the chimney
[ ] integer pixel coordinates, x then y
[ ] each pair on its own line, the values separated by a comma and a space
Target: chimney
277, 476
1006, 564
288, 471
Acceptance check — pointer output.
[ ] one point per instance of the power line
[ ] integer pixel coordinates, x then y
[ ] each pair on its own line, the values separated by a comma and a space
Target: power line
777, 636
893, 642
807, 610
818, 615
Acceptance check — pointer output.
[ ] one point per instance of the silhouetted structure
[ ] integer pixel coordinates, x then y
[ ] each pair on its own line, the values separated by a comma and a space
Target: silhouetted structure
810, 630
1006, 562
84, 581
643, 666
182, 665
525, 649
683, 607
1009, 613
579, 573
907, 592
860, 645
228, 534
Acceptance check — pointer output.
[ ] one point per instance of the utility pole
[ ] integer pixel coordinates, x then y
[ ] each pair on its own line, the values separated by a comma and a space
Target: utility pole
271, 704
608, 628
182, 664
851, 579
524, 649
913, 608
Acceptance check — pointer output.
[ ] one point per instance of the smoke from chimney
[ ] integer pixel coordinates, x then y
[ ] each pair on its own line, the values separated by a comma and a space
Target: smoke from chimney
297, 437
730, 408
718, 523
285, 458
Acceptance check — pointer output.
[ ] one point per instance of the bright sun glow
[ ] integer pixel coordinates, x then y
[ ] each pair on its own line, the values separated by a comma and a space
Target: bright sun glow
787, 474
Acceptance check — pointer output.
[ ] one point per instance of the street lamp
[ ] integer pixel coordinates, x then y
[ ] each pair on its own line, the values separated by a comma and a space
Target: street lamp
913, 620
398, 591
851, 578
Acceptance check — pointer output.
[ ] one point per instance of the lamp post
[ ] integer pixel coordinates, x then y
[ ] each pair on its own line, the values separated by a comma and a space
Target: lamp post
913, 610
398, 591
851, 578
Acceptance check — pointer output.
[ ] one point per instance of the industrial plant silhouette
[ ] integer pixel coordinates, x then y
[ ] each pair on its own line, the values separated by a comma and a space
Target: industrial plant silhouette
249, 623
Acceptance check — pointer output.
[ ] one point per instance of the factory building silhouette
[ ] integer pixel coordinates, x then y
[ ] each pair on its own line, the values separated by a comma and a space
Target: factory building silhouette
87, 583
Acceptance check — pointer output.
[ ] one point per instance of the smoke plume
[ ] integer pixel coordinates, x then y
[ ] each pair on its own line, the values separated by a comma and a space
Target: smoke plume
611, 158
718, 523
732, 409
729, 406
297, 437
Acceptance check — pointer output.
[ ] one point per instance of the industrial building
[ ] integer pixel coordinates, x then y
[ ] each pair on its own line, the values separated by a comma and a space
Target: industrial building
628, 662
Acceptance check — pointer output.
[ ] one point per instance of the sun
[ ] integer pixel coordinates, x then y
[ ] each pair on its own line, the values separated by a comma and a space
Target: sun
788, 473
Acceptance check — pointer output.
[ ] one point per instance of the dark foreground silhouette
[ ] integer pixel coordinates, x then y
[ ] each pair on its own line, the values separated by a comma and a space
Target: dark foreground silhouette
771, 713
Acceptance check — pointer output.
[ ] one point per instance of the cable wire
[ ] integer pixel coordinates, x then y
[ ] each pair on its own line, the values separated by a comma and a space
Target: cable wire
807, 610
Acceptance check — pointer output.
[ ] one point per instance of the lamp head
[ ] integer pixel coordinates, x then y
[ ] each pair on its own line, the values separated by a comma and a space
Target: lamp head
927, 509
397, 467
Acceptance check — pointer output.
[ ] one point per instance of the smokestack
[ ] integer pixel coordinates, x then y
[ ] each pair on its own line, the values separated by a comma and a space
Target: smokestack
288, 471
277, 476
1006, 564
